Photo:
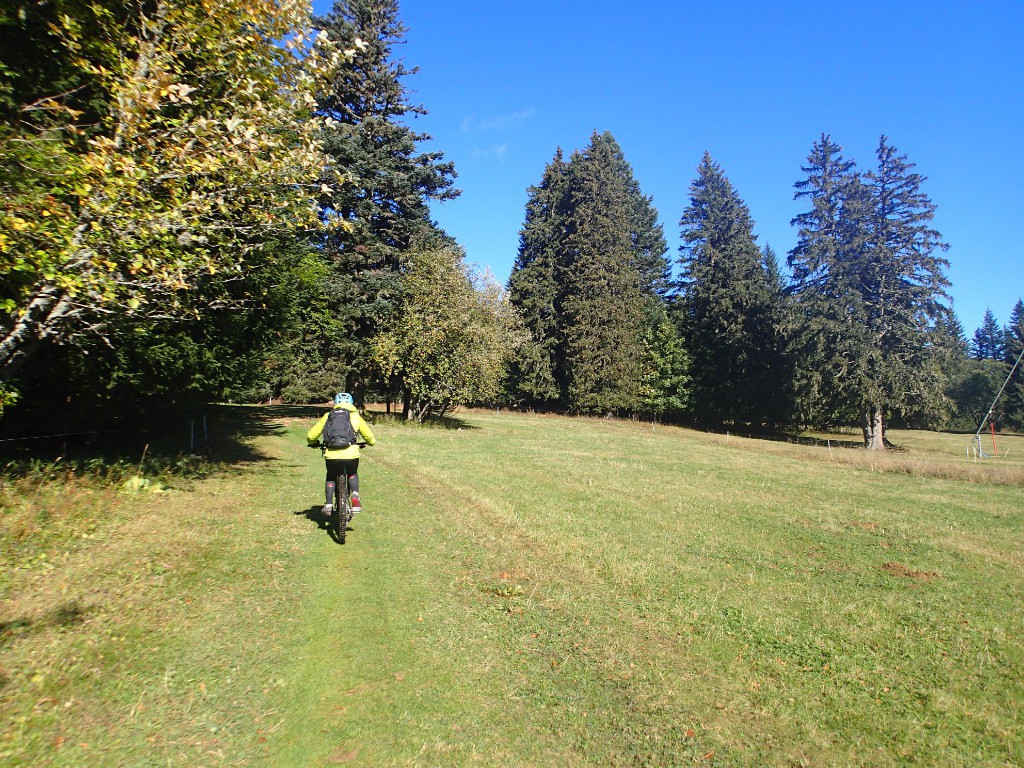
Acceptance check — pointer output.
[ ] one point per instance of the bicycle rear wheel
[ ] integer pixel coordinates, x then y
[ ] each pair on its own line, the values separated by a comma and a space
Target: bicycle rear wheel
342, 512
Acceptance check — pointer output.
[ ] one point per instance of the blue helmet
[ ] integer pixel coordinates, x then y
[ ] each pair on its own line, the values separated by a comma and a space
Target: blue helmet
343, 397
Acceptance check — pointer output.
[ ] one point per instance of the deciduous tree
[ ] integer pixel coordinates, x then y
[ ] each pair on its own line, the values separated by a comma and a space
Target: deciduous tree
203, 152
448, 344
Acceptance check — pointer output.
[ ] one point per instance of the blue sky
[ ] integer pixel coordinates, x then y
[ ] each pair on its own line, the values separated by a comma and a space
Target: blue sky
753, 83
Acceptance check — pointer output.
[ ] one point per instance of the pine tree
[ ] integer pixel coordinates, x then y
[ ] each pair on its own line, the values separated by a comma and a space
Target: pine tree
384, 204
989, 342
728, 317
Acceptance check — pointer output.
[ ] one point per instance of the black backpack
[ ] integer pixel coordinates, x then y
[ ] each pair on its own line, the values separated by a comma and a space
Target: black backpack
338, 431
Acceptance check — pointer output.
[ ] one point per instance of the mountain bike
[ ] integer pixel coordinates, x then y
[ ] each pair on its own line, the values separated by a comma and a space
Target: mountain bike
341, 510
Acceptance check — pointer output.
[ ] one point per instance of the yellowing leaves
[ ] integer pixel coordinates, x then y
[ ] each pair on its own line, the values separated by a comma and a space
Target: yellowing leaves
191, 167
178, 92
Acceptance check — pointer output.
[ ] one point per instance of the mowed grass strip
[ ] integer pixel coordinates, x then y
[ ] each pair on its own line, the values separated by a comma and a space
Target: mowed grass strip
533, 590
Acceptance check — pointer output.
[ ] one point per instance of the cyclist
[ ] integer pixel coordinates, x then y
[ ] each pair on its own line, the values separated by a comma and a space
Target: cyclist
342, 459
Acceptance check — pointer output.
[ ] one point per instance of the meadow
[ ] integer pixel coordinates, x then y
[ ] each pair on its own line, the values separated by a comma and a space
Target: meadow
521, 590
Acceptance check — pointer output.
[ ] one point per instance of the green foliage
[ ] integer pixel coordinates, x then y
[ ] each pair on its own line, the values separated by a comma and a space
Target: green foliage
448, 344
989, 342
972, 391
533, 288
590, 282
602, 305
201, 152
1013, 335
870, 287
665, 377
365, 108
731, 307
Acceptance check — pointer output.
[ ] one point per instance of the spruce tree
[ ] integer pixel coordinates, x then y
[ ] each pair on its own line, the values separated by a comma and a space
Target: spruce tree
384, 204
534, 292
872, 286
829, 327
589, 282
906, 291
775, 347
728, 317
1012, 345
602, 304
989, 341
647, 235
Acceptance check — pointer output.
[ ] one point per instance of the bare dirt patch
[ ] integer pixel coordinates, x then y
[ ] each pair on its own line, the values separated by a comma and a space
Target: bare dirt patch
898, 569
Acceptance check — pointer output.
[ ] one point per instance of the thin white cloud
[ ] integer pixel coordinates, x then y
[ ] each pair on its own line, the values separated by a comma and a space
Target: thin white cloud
497, 122
497, 152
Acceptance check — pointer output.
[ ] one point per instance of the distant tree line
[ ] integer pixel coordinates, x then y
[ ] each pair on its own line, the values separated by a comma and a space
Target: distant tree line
861, 332
233, 205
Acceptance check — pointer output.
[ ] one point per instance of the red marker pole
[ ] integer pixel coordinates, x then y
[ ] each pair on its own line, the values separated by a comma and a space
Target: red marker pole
994, 451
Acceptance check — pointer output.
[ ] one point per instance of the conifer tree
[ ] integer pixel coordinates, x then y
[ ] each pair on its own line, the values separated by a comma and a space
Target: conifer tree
1012, 346
589, 282
647, 235
602, 304
957, 336
830, 318
776, 362
534, 292
384, 204
906, 291
728, 318
989, 341
872, 284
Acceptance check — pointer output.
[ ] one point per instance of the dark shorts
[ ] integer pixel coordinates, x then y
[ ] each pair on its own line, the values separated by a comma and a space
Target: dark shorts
336, 466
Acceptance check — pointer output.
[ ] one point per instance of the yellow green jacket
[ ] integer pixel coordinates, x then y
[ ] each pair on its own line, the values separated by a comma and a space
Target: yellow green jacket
358, 424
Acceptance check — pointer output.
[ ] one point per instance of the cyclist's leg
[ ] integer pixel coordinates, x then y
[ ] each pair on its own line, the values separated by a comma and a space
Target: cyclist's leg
351, 468
334, 469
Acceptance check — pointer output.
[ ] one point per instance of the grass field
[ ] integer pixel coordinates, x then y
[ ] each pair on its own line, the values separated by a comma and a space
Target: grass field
523, 591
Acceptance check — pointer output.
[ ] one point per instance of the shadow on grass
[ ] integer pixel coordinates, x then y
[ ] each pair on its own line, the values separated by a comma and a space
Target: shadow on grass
816, 442
61, 617
315, 515
789, 437
189, 446
445, 422
220, 438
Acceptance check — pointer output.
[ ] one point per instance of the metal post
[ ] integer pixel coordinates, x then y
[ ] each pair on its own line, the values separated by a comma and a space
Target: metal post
977, 435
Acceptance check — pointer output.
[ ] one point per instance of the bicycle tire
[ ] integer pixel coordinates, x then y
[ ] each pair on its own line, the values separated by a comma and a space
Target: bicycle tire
341, 508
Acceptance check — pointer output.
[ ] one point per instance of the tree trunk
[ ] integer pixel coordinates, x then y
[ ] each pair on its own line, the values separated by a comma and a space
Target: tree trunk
873, 428
38, 321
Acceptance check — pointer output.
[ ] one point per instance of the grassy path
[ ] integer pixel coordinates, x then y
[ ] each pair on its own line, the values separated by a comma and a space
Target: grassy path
502, 603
